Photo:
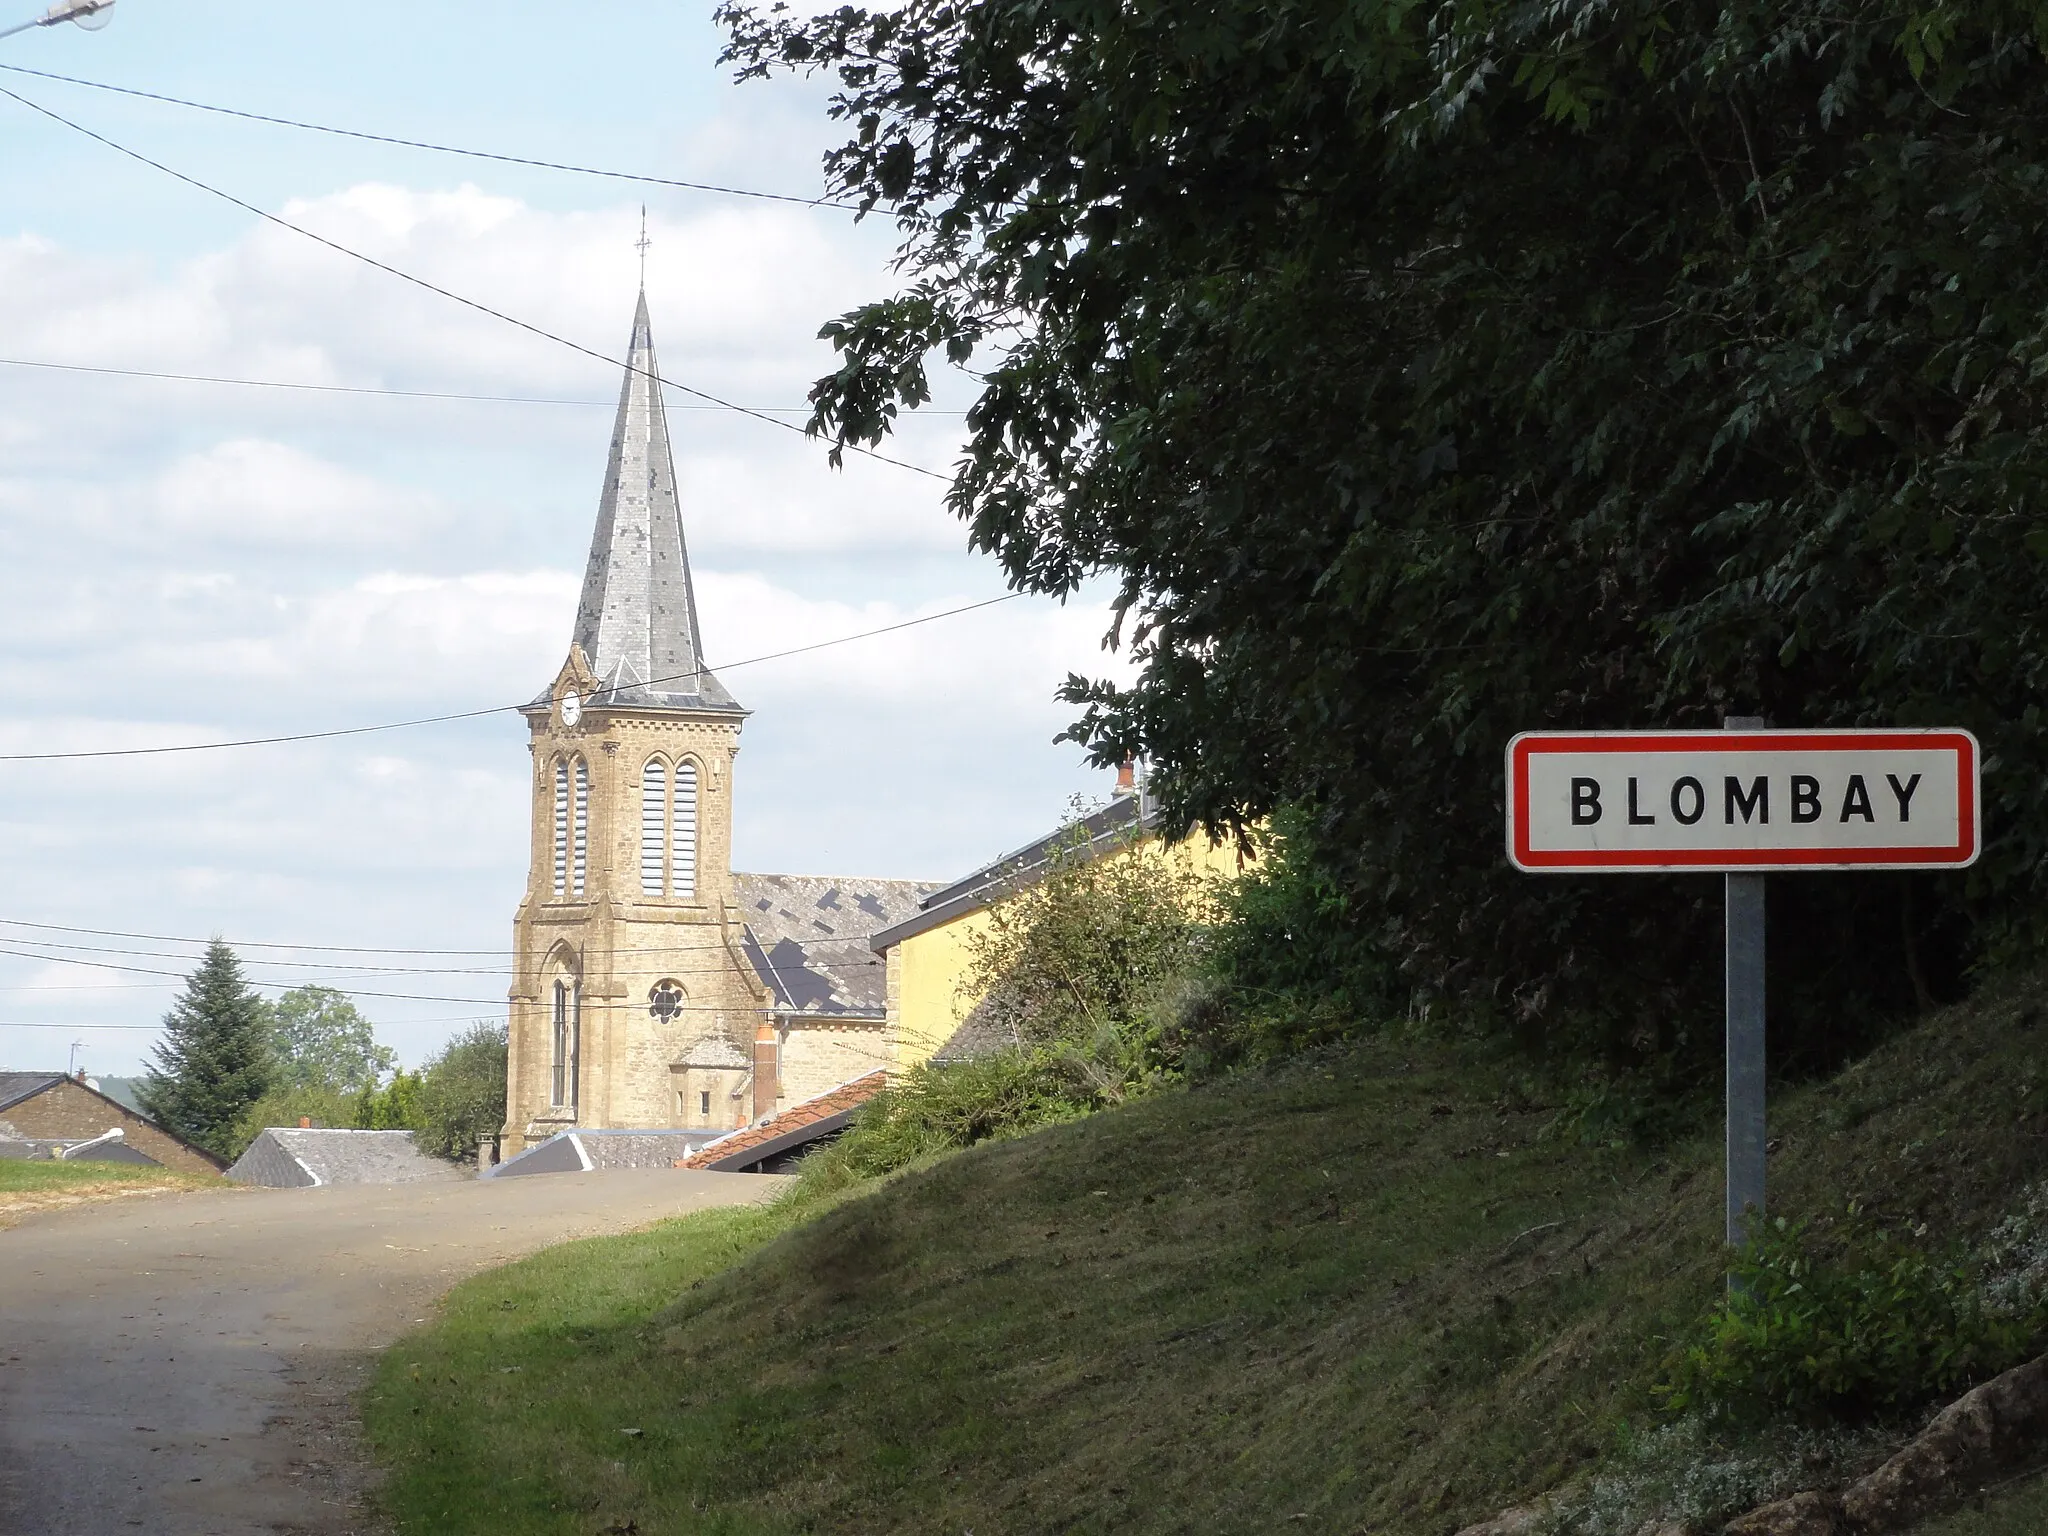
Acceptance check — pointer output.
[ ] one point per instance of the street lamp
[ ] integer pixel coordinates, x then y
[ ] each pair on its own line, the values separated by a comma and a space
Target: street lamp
89, 14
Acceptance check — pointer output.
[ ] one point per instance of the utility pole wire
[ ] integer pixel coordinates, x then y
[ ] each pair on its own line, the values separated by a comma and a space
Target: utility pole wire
446, 293
367, 389
495, 709
438, 149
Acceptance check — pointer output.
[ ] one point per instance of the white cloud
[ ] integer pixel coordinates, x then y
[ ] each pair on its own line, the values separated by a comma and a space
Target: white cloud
247, 490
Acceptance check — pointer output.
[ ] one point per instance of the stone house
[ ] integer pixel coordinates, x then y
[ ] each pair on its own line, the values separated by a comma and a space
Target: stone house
49, 1107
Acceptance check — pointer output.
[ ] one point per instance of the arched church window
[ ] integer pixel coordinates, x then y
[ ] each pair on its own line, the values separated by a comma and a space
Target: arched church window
568, 1032
653, 815
582, 833
682, 826
561, 828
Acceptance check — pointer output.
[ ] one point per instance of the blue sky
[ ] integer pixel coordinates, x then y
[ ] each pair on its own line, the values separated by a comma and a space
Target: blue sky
185, 562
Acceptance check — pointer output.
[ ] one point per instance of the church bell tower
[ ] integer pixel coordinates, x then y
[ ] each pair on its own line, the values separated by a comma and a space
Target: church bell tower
632, 1005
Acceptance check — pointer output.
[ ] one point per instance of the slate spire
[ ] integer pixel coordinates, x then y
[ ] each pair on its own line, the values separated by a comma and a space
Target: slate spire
637, 622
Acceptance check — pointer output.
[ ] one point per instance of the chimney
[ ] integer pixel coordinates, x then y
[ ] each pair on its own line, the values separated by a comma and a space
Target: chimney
767, 1062
1126, 778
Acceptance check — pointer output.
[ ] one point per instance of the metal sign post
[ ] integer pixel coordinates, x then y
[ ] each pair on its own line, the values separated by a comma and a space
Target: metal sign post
1744, 964
1743, 801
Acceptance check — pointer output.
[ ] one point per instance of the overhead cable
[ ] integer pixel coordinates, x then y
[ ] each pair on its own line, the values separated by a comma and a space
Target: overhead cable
446, 293
439, 149
478, 714
144, 970
354, 389
334, 949
359, 969
396, 394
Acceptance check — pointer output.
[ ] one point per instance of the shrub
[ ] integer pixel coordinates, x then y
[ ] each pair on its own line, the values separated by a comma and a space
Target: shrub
1864, 1326
1070, 971
1070, 968
933, 1109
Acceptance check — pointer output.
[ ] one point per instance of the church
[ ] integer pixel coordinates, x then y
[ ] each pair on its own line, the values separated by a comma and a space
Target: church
654, 987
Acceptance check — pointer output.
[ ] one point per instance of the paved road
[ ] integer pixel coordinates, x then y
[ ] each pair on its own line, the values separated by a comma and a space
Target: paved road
184, 1365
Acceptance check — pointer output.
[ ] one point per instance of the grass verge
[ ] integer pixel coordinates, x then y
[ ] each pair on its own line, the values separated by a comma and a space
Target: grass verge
1366, 1292
2019, 1508
27, 1187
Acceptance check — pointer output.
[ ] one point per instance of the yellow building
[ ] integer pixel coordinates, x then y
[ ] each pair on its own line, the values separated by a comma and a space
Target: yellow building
930, 1010
655, 988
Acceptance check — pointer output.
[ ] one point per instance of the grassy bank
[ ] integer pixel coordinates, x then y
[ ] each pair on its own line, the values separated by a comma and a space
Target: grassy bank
1367, 1291
27, 1187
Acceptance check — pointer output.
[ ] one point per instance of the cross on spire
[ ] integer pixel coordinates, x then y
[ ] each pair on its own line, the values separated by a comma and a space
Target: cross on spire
641, 245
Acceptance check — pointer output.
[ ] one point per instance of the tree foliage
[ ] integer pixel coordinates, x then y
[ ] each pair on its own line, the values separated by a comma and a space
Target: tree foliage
320, 1040
461, 1093
1426, 373
214, 1060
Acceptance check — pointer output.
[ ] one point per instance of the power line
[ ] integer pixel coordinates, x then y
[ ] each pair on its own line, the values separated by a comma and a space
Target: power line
341, 949
172, 938
152, 1029
396, 394
353, 389
439, 149
358, 970
144, 970
478, 714
435, 288
289, 984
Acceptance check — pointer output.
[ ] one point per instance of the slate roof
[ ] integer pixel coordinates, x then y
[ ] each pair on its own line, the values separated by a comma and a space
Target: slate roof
812, 1120
808, 938
586, 1151
714, 1051
1125, 817
291, 1157
637, 621
16, 1086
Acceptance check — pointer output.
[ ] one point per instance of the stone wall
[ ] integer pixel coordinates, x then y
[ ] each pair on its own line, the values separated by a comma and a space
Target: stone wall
818, 1055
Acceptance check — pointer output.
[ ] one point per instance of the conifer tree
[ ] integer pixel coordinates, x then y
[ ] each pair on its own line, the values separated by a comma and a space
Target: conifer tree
214, 1061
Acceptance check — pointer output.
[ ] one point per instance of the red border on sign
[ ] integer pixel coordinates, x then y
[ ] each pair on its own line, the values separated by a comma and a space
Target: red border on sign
1597, 860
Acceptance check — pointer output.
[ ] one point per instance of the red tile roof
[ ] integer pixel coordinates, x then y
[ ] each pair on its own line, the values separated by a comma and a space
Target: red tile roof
784, 1128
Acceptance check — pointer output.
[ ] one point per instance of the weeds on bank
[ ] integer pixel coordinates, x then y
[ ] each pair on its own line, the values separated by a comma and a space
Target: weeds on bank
1848, 1326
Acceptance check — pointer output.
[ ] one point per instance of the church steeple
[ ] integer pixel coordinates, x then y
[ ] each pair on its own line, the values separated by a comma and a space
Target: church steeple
637, 622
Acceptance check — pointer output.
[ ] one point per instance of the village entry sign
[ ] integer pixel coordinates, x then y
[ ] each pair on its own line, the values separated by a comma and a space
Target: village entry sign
1743, 801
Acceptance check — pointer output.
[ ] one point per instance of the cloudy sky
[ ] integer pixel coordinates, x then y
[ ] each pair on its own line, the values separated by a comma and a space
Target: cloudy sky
190, 562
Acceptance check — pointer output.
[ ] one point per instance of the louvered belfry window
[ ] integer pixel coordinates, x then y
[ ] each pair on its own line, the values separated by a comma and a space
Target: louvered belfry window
582, 833
561, 828
653, 816
668, 829
682, 826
